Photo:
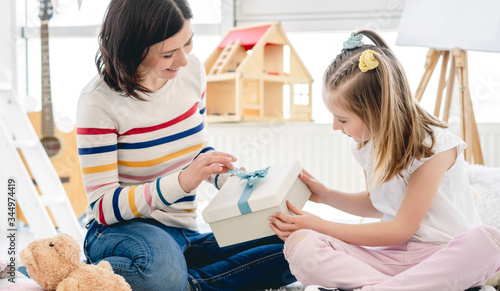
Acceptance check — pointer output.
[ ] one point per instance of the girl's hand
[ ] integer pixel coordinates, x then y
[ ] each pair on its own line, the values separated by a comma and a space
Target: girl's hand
318, 190
202, 167
283, 225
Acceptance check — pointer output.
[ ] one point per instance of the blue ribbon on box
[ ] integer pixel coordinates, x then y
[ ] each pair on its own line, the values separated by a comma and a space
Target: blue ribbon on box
252, 178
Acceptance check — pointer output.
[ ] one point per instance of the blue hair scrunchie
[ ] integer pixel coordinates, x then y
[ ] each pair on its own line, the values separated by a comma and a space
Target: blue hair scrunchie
353, 41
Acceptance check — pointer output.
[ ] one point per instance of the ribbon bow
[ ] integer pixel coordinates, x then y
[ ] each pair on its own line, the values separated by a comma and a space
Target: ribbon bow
353, 41
252, 178
367, 60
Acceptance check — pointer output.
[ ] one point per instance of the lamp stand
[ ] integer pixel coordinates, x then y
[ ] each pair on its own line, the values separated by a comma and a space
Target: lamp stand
458, 67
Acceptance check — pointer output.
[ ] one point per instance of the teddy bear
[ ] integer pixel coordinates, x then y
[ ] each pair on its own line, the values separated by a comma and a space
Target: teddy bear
54, 263
494, 281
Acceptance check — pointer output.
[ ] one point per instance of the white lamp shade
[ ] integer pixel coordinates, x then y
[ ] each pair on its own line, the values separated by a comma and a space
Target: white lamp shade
448, 24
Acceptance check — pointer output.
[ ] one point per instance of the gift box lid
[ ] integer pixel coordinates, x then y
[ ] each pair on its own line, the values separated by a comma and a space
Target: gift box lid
268, 192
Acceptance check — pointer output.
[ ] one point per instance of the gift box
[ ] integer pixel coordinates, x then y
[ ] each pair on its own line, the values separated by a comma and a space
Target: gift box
240, 211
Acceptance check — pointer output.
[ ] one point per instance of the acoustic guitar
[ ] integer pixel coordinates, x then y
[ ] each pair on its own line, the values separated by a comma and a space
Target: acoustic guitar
60, 146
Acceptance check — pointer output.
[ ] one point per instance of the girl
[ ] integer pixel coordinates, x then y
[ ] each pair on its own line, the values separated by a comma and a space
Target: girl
143, 149
430, 236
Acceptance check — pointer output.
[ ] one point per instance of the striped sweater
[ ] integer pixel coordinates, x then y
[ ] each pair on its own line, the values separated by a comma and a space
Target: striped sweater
131, 151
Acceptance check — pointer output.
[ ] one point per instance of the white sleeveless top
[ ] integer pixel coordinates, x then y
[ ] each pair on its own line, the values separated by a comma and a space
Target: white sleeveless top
453, 210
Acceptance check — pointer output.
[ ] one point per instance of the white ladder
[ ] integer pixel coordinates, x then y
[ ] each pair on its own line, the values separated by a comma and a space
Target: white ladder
16, 132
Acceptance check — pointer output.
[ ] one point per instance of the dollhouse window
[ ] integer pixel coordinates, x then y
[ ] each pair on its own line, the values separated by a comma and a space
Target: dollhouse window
301, 94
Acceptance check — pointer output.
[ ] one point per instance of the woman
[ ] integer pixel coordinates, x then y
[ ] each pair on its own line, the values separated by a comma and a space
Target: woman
143, 150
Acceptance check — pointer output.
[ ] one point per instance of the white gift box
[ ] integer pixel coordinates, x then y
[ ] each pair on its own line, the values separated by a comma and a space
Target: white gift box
268, 195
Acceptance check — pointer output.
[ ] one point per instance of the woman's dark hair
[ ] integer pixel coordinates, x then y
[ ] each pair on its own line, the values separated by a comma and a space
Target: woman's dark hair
130, 27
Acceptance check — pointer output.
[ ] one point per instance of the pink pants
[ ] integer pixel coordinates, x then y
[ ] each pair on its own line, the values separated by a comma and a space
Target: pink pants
468, 260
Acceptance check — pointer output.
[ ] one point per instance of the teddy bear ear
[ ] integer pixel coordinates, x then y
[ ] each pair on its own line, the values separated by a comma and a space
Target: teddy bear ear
28, 259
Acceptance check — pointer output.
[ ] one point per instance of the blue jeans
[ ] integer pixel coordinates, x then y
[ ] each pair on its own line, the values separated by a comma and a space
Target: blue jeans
152, 256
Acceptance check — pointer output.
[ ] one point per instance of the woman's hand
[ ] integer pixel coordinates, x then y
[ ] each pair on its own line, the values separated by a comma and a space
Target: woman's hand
318, 189
202, 167
283, 225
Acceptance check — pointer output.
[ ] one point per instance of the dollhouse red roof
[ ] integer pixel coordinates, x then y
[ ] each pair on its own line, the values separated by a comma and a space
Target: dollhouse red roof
249, 36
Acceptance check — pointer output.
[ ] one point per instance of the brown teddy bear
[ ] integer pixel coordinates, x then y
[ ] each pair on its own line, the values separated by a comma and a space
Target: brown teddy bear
494, 281
54, 263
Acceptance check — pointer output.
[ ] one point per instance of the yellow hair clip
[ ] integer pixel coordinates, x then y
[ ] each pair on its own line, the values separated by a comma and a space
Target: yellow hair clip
367, 61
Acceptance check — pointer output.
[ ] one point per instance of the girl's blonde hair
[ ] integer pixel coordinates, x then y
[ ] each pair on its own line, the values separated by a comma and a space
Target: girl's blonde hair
382, 99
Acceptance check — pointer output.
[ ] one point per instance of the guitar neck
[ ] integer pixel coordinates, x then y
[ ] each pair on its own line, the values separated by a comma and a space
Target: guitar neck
47, 112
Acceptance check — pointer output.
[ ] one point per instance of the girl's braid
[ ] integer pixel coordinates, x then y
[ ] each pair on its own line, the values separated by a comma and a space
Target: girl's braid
344, 65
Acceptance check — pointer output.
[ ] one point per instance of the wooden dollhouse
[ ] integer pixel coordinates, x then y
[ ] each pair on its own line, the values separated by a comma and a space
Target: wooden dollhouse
255, 75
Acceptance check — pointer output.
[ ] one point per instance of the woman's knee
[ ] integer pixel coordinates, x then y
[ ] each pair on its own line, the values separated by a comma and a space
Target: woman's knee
147, 261
145, 267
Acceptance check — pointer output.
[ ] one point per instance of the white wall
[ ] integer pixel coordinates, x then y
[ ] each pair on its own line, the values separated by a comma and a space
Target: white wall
322, 15
7, 47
